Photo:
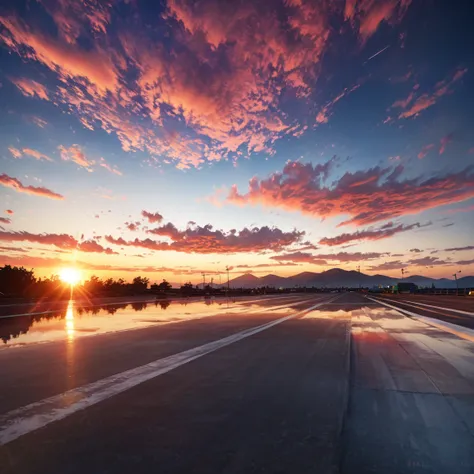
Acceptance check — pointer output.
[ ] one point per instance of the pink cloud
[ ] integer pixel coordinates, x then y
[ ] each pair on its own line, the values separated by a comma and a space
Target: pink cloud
9, 211
108, 167
384, 232
369, 15
76, 155
321, 259
425, 150
152, 217
5, 220
29, 151
68, 59
444, 143
393, 265
30, 88
62, 241
91, 246
206, 240
40, 122
367, 196
16, 153
143, 90
427, 100
17, 185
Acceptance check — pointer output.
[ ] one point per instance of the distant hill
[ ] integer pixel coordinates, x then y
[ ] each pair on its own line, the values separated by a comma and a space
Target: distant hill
336, 277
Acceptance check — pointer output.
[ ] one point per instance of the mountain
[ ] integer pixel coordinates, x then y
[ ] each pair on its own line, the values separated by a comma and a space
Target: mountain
336, 277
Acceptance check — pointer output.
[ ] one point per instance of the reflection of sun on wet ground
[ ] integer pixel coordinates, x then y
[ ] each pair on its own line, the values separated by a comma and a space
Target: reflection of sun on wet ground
76, 321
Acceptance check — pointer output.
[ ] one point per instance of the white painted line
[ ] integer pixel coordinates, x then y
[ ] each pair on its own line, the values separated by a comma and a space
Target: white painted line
467, 313
36, 415
460, 331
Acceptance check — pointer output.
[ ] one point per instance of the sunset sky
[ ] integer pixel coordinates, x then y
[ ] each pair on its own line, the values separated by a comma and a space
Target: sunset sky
167, 138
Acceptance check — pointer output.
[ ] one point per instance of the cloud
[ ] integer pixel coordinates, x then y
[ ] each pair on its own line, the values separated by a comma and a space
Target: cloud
132, 226
299, 257
152, 218
91, 246
211, 87
76, 155
394, 265
367, 196
15, 152
266, 265
17, 185
206, 240
414, 106
368, 15
325, 112
464, 262
424, 151
62, 241
29, 151
388, 230
460, 249
428, 262
416, 250
40, 122
30, 88
444, 143
13, 249
108, 167
9, 211
5, 220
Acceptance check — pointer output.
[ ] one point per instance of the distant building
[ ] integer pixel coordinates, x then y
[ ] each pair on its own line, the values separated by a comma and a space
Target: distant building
406, 287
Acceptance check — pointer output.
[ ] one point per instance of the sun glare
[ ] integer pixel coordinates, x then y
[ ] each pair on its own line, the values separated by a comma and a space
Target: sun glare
71, 276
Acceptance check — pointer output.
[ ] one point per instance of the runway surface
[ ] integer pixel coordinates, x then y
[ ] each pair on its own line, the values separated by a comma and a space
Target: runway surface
303, 383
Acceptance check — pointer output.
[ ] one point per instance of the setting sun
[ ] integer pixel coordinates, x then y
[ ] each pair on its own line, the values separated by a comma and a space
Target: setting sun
71, 276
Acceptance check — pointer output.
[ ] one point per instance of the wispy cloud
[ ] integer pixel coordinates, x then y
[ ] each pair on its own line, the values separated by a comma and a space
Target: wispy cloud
30, 88
18, 186
75, 154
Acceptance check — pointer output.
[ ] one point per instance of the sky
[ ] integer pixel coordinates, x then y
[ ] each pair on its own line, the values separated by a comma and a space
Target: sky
173, 138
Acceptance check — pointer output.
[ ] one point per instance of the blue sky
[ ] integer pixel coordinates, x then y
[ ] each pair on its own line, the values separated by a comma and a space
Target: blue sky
113, 108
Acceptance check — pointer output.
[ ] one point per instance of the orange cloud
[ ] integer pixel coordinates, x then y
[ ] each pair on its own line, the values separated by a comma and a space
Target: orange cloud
68, 59
151, 217
108, 167
9, 211
386, 231
62, 241
206, 240
16, 153
17, 185
427, 100
321, 259
368, 196
30, 88
29, 151
76, 155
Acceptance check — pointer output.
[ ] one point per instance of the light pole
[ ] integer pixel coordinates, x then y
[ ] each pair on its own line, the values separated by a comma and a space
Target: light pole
455, 275
403, 273
203, 280
228, 283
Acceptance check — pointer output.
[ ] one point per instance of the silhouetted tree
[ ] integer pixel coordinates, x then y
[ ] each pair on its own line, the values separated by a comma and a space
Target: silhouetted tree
140, 283
187, 288
164, 286
16, 280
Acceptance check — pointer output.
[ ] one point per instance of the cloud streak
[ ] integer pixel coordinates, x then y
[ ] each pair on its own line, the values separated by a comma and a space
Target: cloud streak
18, 186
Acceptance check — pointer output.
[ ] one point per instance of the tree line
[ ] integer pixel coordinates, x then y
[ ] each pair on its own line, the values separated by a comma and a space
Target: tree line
20, 282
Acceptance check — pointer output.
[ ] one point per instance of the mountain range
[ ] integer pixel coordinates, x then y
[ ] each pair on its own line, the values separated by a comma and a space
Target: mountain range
337, 277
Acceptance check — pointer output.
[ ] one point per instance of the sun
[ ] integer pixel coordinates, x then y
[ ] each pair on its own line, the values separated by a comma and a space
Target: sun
70, 275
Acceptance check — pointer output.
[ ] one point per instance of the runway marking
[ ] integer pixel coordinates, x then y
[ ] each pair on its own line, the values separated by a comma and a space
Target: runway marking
36, 415
467, 313
460, 331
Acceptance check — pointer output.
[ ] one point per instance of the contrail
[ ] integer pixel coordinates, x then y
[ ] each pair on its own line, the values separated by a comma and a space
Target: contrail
377, 53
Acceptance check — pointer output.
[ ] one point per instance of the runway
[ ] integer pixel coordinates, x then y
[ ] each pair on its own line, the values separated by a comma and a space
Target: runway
305, 383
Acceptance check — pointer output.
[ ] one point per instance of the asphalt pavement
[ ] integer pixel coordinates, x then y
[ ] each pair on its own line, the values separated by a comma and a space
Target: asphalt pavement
309, 383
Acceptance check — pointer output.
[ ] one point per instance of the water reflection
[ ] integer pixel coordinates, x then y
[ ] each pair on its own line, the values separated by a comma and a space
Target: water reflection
76, 319
70, 321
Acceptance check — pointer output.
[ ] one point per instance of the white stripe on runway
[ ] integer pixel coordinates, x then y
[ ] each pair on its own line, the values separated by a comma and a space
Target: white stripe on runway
467, 313
36, 415
460, 331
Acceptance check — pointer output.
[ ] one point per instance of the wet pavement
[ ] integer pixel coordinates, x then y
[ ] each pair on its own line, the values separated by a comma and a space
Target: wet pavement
311, 383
